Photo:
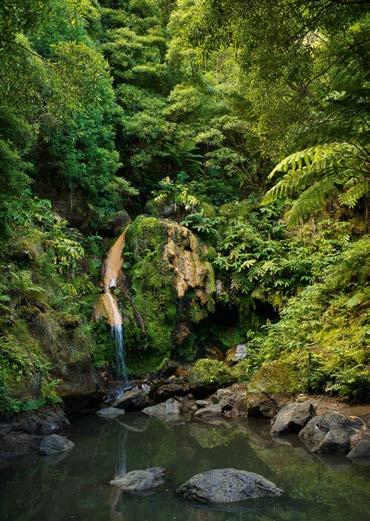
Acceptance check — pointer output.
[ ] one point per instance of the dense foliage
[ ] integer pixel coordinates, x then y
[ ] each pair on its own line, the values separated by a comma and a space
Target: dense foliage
244, 121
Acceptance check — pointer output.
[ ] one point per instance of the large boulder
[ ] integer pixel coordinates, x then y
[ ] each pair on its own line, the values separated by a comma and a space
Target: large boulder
210, 412
330, 433
138, 481
132, 400
170, 409
261, 405
177, 387
292, 418
55, 444
227, 486
232, 400
360, 445
360, 450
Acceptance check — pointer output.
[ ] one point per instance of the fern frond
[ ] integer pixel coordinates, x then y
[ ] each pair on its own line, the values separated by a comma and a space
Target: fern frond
311, 200
354, 193
317, 173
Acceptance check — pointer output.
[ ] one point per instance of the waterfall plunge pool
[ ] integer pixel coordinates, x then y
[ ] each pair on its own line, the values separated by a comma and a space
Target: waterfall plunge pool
75, 486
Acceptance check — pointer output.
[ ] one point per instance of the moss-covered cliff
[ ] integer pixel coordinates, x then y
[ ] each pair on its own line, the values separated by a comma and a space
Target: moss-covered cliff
172, 288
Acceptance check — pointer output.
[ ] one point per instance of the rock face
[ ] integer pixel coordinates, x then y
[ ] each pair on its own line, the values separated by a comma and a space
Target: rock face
172, 288
114, 223
138, 481
261, 405
48, 420
79, 380
178, 387
227, 486
55, 444
330, 433
292, 418
135, 399
170, 409
110, 412
23, 433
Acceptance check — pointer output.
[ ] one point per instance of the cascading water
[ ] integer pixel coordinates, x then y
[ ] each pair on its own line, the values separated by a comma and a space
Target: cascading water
119, 342
108, 305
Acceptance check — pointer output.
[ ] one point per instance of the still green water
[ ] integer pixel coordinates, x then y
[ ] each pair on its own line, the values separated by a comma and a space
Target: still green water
76, 486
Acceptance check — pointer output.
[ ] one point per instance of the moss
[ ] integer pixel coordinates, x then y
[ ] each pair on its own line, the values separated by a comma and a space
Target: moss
210, 371
24, 369
151, 284
280, 376
166, 289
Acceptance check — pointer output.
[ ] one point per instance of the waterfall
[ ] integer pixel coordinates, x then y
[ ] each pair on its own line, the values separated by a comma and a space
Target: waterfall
119, 343
108, 305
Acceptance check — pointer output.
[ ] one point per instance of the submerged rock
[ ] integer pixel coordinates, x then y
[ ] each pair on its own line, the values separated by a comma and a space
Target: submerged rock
292, 418
55, 444
330, 433
110, 412
169, 409
139, 480
227, 486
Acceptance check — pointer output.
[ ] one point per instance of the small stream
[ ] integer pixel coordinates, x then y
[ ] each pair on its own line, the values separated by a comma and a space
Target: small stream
75, 486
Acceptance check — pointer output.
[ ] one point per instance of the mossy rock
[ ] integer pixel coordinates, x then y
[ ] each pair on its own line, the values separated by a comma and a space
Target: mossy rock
279, 376
171, 283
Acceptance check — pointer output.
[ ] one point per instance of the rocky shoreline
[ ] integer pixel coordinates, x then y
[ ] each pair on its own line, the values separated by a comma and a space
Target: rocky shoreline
323, 424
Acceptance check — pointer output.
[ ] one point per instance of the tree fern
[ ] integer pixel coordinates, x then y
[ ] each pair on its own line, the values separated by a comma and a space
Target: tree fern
313, 175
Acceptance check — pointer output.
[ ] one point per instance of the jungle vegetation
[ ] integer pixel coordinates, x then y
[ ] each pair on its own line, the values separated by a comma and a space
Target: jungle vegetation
250, 118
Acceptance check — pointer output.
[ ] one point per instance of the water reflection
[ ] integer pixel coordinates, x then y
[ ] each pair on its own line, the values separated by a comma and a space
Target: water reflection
77, 487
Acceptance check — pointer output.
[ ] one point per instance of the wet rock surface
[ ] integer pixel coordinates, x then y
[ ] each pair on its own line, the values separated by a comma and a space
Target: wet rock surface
134, 399
331, 433
22, 434
138, 481
55, 444
227, 486
167, 410
292, 418
361, 449
212, 411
